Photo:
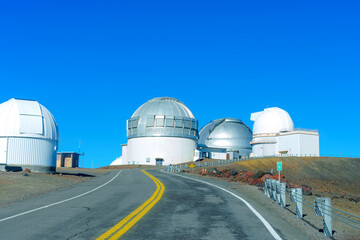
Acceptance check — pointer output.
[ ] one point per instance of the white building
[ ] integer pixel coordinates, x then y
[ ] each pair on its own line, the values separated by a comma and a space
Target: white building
162, 131
226, 138
28, 136
274, 135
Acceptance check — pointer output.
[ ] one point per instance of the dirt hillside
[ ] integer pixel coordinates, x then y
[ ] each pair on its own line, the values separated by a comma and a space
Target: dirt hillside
341, 175
337, 178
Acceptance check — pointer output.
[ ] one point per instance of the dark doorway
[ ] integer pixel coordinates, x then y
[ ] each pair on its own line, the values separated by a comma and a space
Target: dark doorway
159, 161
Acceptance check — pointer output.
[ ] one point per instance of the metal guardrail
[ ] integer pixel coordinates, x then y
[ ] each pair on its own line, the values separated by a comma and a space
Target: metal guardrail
228, 161
278, 192
322, 206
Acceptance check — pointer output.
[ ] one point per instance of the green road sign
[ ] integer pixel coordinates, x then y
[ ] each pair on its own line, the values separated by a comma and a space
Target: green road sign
279, 166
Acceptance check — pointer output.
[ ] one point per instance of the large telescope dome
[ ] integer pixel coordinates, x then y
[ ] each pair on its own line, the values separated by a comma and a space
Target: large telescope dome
162, 117
272, 120
229, 133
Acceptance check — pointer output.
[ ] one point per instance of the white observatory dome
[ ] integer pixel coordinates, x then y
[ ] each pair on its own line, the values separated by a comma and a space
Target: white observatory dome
28, 135
271, 120
164, 116
27, 118
229, 133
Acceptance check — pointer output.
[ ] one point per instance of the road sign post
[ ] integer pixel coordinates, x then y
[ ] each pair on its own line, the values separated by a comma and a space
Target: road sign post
279, 168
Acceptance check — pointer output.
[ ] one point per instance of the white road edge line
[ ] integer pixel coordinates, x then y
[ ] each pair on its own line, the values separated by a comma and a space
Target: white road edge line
261, 218
57, 203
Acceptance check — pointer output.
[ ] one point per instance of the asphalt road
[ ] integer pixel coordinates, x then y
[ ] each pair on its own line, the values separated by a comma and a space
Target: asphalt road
187, 210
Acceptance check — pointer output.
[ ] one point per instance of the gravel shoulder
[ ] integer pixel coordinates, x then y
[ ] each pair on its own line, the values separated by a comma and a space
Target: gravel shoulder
18, 186
310, 225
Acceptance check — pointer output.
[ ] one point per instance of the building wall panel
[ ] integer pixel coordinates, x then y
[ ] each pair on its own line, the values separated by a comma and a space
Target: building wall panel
31, 151
172, 150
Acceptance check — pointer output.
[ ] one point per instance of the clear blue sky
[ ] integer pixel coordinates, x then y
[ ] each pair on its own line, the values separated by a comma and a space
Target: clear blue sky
93, 63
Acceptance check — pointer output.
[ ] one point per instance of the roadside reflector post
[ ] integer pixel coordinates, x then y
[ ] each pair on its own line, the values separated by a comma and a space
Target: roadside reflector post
323, 208
299, 201
283, 194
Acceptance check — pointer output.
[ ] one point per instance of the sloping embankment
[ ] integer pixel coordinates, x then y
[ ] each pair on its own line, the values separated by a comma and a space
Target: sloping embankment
340, 175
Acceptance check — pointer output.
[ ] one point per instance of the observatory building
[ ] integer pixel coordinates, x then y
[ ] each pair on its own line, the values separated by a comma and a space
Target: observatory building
28, 136
162, 131
274, 135
226, 138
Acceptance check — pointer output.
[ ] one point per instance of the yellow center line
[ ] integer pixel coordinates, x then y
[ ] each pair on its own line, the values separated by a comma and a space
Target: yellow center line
124, 225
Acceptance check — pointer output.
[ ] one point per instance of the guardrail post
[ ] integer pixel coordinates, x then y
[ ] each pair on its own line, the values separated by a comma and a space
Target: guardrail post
283, 194
278, 192
318, 206
273, 189
323, 208
327, 218
266, 187
297, 192
292, 195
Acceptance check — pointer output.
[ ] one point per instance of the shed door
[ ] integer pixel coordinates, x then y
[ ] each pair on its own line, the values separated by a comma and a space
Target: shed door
3, 150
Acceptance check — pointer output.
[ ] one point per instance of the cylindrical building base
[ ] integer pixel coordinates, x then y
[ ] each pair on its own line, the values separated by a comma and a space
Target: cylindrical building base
160, 150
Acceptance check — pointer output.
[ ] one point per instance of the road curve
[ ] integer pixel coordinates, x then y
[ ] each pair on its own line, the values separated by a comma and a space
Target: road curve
85, 217
194, 210
187, 210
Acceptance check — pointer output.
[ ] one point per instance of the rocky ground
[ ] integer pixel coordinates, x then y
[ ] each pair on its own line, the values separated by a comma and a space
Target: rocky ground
318, 177
17, 186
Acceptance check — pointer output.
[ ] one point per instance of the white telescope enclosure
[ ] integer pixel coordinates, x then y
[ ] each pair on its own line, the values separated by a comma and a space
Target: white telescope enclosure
28, 136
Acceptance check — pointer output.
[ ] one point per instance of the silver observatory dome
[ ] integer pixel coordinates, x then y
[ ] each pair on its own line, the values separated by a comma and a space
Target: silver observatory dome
162, 117
229, 133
